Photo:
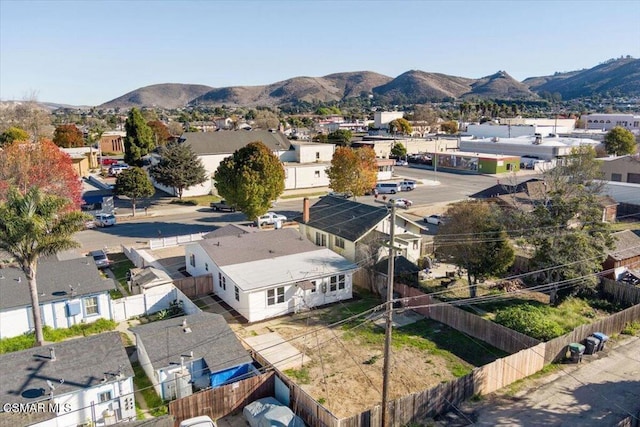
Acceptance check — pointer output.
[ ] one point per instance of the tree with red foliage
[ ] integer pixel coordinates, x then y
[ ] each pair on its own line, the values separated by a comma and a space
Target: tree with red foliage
26, 165
160, 131
68, 136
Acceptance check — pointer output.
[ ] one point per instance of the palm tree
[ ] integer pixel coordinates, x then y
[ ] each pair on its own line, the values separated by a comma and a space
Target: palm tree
32, 225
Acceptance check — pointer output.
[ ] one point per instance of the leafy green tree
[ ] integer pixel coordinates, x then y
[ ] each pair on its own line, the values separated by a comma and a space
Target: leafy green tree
620, 141
340, 137
139, 140
353, 170
13, 134
179, 168
33, 225
68, 136
474, 239
135, 184
449, 127
251, 179
398, 150
160, 132
400, 125
565, 228
321, 138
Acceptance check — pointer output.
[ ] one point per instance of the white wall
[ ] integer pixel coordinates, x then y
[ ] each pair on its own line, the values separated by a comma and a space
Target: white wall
381, 119
312, 153
155, 299
305, 176
19, 321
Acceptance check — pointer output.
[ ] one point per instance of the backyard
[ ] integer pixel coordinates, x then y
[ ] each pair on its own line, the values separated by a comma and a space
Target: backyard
343, 361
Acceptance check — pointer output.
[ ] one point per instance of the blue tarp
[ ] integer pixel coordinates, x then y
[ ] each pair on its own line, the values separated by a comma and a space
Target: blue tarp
224, 377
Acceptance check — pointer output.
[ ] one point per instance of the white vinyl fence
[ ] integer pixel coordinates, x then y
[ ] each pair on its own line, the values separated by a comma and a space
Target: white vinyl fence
165, 242
154, 300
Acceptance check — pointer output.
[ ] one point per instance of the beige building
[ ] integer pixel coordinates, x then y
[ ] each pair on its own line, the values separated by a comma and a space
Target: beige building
621, 169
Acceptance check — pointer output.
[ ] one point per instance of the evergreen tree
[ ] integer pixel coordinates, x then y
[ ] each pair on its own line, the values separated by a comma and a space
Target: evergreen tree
135, 184
179, 168
620, 141
139, 140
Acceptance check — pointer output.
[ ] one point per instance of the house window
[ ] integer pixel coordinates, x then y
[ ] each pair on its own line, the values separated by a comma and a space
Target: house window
104, 397
314, 285
91, 305
321, 239
333, 284
206, 266
341, 281
275, 296
192, 260
317, 174
237, 293
224, 283
339, 242
219, 279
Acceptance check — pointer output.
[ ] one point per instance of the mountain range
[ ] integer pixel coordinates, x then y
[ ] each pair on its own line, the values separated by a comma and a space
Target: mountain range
619, 77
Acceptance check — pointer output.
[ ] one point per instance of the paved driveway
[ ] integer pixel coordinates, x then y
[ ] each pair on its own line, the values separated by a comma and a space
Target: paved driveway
600, 392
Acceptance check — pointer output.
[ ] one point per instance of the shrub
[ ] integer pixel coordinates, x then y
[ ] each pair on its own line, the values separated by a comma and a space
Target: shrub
631, 328
529, 320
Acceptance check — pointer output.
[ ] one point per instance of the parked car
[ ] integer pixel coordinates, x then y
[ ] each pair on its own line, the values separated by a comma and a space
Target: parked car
268, 412
106, 161
270, 218
407, 185
434, 219
105, 220
117, 169
402, 203
346, 195
401, 163
222, 206
101, 259
201, 421
388, 188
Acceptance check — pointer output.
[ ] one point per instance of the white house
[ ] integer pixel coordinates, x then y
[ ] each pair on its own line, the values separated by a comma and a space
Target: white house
304, 162
190, 352
606, 122
271, 273
381, 119
343, 226
80, 382
71, 292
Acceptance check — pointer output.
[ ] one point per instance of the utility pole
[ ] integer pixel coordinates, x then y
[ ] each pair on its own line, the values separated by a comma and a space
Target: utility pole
387, 335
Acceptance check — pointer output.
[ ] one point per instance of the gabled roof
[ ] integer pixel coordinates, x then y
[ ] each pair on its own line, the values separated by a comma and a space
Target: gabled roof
82, 363
401, 265
55, 279
230, 230
627, 245
246, 247
344, 218
227, 142
507, 188
210, 339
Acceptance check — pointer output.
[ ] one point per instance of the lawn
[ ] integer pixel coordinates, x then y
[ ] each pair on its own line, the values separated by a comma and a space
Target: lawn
142, 384
120, 266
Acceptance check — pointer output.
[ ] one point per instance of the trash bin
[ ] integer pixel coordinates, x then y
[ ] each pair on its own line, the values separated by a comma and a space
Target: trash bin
591, 345
577, 350
603, 339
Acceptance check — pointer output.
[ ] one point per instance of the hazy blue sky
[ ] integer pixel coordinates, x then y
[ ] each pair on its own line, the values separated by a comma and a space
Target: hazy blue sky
89, 52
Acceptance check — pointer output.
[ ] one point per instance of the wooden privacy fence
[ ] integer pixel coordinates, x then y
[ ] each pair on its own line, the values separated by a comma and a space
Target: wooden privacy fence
194, 287
492, 333
225, 400
621, 292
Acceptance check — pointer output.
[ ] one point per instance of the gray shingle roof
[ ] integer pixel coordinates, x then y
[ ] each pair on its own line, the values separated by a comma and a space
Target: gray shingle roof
54, 279
627, 245
344, 218
81, 363
230, 230
210, 339
240, 248
227, 142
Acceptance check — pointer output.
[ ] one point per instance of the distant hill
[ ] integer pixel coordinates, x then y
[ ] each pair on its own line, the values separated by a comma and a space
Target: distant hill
615, 77
167, 95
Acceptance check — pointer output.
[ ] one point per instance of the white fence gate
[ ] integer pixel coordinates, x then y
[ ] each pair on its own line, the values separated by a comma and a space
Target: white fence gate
154, 300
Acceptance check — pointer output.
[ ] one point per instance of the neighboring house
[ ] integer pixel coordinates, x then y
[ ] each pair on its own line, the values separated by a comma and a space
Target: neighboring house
271, 273
607, 122
625, 254
71, 292
143, 279
404, 271
621, 168
190, 352
80, 382
357, 231
83, 159
304, 162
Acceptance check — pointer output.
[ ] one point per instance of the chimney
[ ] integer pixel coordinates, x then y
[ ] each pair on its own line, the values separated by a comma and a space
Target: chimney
52, 354
305, 210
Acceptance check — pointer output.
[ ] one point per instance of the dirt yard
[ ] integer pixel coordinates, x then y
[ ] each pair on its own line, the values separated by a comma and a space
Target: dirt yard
343, 366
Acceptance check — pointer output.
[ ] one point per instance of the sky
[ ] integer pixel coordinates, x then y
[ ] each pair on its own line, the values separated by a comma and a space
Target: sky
90, 52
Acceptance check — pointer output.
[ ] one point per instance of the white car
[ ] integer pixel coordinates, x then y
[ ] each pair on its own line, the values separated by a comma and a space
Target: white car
201, 421
401, 163
105, 220
270, 218
402, 203
434, 219
407, 185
